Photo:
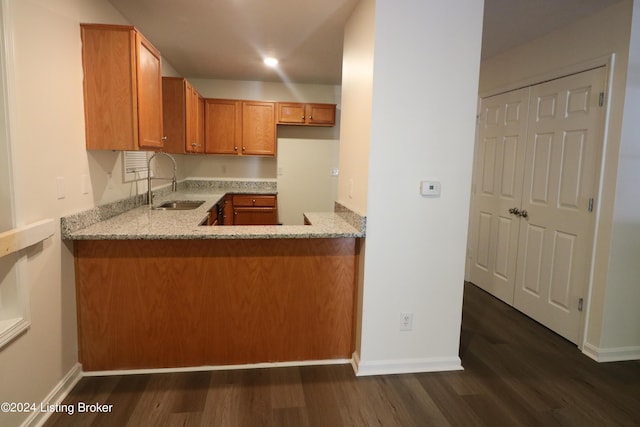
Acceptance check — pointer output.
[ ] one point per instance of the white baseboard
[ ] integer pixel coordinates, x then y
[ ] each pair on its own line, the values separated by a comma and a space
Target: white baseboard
404, 366
615, 354
217, 367
56, 396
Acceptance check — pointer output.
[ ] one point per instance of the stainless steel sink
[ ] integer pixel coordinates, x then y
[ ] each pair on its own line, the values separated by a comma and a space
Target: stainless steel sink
179, 205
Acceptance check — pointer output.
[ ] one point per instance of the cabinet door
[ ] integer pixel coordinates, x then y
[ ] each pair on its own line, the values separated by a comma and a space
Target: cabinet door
291, 113
227, 211
194, 144
321, 114
254, 216
109, 87
296, 113
174, 114
223, 126
258, 128
149, 83
200, 124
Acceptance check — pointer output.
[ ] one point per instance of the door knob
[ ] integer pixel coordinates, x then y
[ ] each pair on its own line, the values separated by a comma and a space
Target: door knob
517, 212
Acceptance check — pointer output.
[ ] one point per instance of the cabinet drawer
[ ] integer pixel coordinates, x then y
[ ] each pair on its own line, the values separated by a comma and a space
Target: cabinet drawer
254, 200
255, 216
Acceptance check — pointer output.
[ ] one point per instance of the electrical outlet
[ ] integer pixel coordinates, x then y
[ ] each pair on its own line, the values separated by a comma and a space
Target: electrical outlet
406, 321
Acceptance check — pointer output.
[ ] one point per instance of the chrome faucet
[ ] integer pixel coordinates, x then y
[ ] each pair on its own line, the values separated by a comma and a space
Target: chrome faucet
174, 181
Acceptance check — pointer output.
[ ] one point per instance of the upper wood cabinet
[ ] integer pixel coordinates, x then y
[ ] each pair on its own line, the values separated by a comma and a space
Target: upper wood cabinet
200, 126
122, 89
295, 113
240, 127
223, 126
183, 116
258, 128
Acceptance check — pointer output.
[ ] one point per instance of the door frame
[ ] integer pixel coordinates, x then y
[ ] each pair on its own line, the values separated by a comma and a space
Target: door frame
607, 61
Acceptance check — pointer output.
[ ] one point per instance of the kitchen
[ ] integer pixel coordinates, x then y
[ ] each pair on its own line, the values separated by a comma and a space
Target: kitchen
46, 36
58, 144
233, 127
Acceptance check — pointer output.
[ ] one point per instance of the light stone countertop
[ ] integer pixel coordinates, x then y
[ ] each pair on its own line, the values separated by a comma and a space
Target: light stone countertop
144, 223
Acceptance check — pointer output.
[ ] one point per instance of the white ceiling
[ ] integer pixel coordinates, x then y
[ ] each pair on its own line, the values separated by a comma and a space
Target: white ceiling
227, 39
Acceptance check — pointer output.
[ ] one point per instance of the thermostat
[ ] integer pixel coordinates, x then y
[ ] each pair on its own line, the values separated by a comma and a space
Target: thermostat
430, 188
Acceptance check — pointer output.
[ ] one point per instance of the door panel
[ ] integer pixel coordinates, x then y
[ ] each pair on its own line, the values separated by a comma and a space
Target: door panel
572, 163
509, 167
557, 236
560, 283
541, 168
532, 252
498, 179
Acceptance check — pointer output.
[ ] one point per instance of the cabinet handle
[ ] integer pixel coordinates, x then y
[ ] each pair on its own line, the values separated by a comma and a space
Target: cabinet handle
244, 148
164, 138
302, 117
254, 201
235, 148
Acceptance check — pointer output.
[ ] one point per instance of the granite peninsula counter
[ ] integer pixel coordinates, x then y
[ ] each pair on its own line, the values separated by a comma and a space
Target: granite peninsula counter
157, 290
144, 223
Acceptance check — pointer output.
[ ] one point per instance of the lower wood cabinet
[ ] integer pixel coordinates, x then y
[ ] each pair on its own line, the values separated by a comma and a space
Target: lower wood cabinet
253, 209
192, 303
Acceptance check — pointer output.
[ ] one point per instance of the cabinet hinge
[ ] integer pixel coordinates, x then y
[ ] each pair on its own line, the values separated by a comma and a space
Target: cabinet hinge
601, 99
580, 303
591, 204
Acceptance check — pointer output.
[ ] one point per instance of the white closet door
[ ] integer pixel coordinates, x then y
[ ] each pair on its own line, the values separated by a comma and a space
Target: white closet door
498, 188
564, 146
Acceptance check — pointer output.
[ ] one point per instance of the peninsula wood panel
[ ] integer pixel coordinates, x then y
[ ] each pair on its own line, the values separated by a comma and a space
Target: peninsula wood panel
153, 304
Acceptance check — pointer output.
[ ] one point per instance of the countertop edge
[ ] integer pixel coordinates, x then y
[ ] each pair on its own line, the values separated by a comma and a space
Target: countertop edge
131, 219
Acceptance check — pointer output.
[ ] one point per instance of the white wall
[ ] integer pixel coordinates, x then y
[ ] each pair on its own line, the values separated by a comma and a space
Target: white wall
357, 90
48, 141
621, 322
425, 81
355, 131
585, 43
305, 183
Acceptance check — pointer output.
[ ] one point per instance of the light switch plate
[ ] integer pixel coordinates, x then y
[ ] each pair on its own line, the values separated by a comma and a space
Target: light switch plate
60, 187
430, 188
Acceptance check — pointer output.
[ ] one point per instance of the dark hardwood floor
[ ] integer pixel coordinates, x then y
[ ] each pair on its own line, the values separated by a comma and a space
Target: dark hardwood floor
517, 373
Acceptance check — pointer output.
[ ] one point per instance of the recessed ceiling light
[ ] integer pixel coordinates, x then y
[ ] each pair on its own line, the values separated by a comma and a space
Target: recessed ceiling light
271, 62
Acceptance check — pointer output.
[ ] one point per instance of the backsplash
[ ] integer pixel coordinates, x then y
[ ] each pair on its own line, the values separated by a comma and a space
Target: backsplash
80, 220
357, 221
229, 186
